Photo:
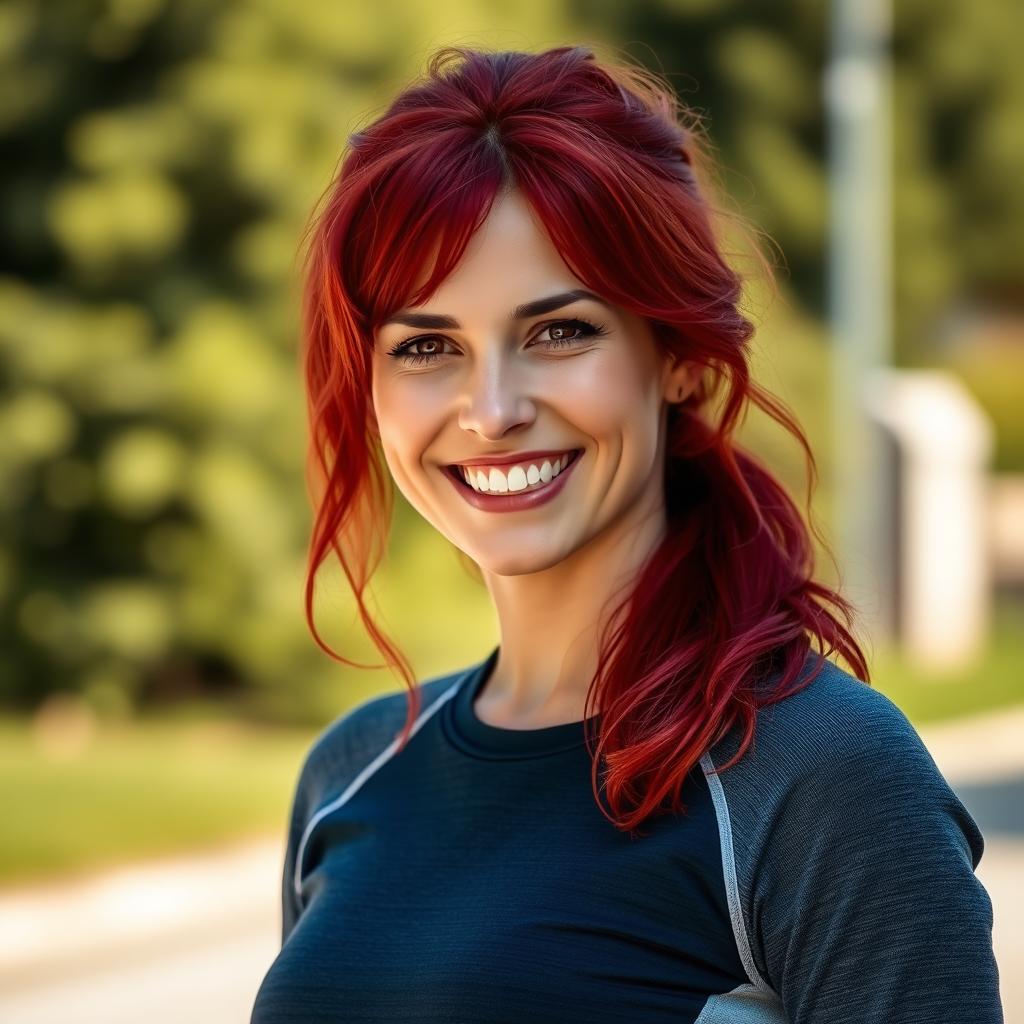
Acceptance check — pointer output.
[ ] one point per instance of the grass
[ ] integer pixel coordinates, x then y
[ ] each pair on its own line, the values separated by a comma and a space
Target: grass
111, 793
996, 681
80, 795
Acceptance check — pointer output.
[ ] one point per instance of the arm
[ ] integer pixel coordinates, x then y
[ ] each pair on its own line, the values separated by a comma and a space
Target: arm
866, 906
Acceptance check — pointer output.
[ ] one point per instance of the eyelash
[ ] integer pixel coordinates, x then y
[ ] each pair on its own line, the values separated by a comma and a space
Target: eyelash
400, 351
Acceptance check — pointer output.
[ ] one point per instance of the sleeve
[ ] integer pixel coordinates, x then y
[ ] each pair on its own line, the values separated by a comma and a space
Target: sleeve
865, 904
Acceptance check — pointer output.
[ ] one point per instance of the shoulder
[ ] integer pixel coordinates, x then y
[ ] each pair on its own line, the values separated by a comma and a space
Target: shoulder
836, 757
834, 722
354, 738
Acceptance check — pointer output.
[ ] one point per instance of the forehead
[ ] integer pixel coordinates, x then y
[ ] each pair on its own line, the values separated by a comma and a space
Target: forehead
509, 260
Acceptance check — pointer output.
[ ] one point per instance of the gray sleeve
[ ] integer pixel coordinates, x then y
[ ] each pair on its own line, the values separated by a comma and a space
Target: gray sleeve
865, 905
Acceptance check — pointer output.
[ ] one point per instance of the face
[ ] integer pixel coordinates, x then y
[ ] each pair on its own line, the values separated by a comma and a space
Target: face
574, 376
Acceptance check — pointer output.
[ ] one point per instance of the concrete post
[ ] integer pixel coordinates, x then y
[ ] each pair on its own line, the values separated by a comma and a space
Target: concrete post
942, 442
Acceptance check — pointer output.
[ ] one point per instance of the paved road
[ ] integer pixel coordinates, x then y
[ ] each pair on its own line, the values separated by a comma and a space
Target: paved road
189, 939
184, 939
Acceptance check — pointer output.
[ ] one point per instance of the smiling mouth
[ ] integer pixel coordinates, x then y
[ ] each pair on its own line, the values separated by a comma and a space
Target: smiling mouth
455, 472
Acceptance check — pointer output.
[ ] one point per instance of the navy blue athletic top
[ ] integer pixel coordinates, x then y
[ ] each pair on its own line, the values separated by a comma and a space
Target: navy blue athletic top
826, 878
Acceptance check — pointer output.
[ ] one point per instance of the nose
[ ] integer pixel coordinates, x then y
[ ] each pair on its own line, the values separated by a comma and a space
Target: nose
495, 400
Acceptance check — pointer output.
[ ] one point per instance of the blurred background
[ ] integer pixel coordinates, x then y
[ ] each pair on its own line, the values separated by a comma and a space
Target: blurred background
159, 686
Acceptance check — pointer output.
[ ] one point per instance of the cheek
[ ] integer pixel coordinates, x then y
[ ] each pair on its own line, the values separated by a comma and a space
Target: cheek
406, 418
607, 395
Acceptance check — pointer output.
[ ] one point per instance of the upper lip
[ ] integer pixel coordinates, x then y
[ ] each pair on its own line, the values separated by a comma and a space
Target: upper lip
513, 457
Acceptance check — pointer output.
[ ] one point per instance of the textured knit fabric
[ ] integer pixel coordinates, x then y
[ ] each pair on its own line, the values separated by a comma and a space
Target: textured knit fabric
826, 878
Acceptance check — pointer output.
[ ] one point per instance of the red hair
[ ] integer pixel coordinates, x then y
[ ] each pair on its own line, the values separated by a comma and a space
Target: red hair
618, 173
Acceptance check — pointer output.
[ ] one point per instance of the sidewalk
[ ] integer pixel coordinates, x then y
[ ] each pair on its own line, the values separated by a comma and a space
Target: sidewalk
982, 747
174, 939
191, 937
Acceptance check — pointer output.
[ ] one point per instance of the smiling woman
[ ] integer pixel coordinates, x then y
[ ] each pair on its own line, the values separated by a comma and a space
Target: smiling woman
516, 302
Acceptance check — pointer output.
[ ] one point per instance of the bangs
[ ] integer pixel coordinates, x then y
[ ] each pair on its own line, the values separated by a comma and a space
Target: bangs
415, 225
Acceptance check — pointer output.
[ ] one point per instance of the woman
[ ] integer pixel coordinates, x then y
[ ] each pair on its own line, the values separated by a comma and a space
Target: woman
655, 799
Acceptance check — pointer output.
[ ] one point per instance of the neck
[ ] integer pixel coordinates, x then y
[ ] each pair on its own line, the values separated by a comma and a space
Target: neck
551, 621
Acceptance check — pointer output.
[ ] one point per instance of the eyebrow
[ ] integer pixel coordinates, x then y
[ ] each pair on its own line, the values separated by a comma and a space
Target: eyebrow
439, 321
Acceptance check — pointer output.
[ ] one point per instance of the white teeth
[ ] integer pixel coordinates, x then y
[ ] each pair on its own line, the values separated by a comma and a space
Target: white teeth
518, 478
496, 481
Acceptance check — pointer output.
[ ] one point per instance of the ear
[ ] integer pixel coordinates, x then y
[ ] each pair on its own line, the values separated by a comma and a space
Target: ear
680, 379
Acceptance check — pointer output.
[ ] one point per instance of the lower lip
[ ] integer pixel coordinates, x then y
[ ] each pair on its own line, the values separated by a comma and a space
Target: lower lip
513, 502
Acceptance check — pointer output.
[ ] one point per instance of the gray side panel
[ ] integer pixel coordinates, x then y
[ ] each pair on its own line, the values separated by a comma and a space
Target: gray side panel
743, 1005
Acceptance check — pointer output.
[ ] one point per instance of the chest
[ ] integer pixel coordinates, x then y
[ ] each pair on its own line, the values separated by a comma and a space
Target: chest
517, 901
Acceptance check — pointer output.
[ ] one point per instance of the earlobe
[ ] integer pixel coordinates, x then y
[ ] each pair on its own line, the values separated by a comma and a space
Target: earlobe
683, 381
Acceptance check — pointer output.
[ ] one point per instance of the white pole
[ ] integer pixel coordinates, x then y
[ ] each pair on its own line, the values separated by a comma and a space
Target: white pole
857, 94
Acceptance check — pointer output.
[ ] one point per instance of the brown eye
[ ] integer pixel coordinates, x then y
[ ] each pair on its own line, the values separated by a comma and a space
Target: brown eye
402, 349
562, 327
584, 327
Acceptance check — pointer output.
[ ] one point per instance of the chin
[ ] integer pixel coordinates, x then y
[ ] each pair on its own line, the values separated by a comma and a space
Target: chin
513, 563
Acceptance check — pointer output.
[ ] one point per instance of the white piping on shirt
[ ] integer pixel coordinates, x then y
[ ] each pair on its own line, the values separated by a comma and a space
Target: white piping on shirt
732, 889
382, 758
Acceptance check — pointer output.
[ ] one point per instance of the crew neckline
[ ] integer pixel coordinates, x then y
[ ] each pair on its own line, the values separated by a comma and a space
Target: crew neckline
474, 736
